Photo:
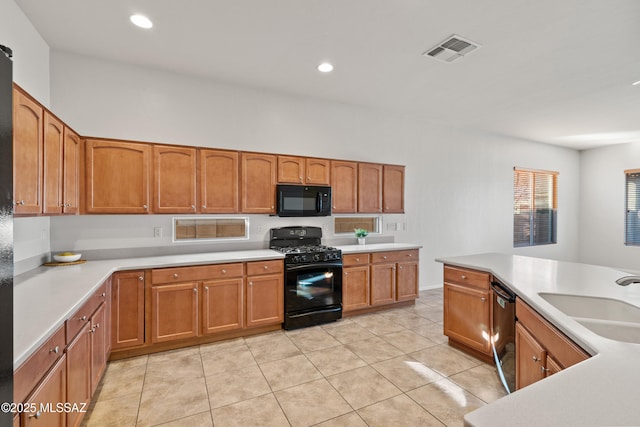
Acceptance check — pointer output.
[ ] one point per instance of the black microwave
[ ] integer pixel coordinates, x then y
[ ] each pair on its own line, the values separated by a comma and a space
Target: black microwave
303, 200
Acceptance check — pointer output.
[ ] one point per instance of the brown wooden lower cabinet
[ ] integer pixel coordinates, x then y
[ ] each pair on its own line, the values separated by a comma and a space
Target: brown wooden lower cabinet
379, 278
174, 311
51, 390
127, 309
265, 299
541, 349
467, 316
99, 338
79, 388
222, 305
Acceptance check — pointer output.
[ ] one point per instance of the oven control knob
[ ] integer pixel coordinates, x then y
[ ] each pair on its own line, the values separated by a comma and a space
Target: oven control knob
316, 257
303, 258
296, 259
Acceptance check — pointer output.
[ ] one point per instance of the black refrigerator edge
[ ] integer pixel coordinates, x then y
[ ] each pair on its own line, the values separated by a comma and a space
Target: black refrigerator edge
6, 232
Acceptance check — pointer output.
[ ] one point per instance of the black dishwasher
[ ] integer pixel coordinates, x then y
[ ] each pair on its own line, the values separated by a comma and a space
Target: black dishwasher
503, 334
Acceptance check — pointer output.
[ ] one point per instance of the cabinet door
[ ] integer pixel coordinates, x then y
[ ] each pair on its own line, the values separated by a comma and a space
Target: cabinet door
174, 179
218, 181
369, 188
407, 281
355, 287
222, 305
291, 170
393, 189
51, 390
98, 345
53, 164
127, 309
174, 312
530, 358
258, 183
71, 172
552, 367
79, 373
383, 284
466, 316
118, 175
27, 154
318, 171
265, 300
344, 186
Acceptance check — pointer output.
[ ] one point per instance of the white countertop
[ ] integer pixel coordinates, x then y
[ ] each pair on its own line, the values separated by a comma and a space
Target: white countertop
601, 391
45, 297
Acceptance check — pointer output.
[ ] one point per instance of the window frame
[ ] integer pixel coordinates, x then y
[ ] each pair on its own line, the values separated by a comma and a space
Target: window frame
535, 222
377, 218
635, 230
209, 239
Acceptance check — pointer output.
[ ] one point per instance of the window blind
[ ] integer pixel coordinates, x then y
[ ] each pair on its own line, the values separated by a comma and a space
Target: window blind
534, 207
632, 207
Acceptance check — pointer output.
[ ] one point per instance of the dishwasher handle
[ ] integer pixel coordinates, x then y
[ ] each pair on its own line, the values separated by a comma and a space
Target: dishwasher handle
503, 292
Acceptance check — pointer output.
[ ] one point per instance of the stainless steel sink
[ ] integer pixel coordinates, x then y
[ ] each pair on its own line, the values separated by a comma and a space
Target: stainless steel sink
607, 317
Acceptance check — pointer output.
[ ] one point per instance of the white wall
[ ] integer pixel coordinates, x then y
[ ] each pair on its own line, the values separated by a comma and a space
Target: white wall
31, 72
30, 51
459, 183
602, 204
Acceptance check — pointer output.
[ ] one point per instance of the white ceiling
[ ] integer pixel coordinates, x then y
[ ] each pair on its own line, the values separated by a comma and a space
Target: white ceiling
554, 71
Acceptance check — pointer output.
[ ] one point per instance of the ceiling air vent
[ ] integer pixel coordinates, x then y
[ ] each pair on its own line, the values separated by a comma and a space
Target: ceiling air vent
455, 47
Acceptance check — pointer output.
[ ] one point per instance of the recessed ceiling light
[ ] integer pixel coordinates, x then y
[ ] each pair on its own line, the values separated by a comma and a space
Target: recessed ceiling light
141, 21
325, 67
635, 83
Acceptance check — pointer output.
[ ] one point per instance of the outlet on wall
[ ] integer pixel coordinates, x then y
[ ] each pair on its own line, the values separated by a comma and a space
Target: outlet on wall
157, 231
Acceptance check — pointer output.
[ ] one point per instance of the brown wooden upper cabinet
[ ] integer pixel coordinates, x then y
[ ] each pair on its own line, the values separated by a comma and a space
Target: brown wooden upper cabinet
218, 181
301, 170
174, 179
344, 186
71, 172
27, 153
369, 188
258, 178
118, 175
53, 160
46, 160
393, 189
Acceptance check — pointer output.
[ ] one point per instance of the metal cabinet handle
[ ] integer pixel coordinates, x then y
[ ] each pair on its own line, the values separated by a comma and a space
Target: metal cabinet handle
346, 273
410, 255
266, 267
193, 207
463, 277
384, 257
357, 259
36, 415
401, 267
141, 278
206, 288
250, 283
543, 369
224, 271
195, 290
204, 206
145, 206
483, 299
535, 359
83, 318
175, 275
104, 294
55, 350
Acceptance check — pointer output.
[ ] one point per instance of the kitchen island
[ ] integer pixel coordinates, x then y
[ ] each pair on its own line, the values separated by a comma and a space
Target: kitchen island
599, 391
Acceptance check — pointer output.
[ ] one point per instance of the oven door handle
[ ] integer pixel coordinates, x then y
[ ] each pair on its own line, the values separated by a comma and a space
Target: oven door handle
310, 266
505, 294
319, 202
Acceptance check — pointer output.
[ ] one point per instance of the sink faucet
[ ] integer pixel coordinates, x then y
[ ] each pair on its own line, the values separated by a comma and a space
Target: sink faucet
627, 280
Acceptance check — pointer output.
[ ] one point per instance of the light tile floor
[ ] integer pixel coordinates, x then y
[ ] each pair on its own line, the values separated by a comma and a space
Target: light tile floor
389, 368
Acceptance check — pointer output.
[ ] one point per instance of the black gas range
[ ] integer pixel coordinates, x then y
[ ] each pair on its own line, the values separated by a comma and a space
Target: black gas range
312, 277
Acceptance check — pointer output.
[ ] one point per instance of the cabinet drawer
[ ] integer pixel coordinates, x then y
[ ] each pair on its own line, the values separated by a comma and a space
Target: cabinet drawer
264, 267
355, 259
82, 315
462, 276
565, 351
394, 256
187, 274
33, 369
